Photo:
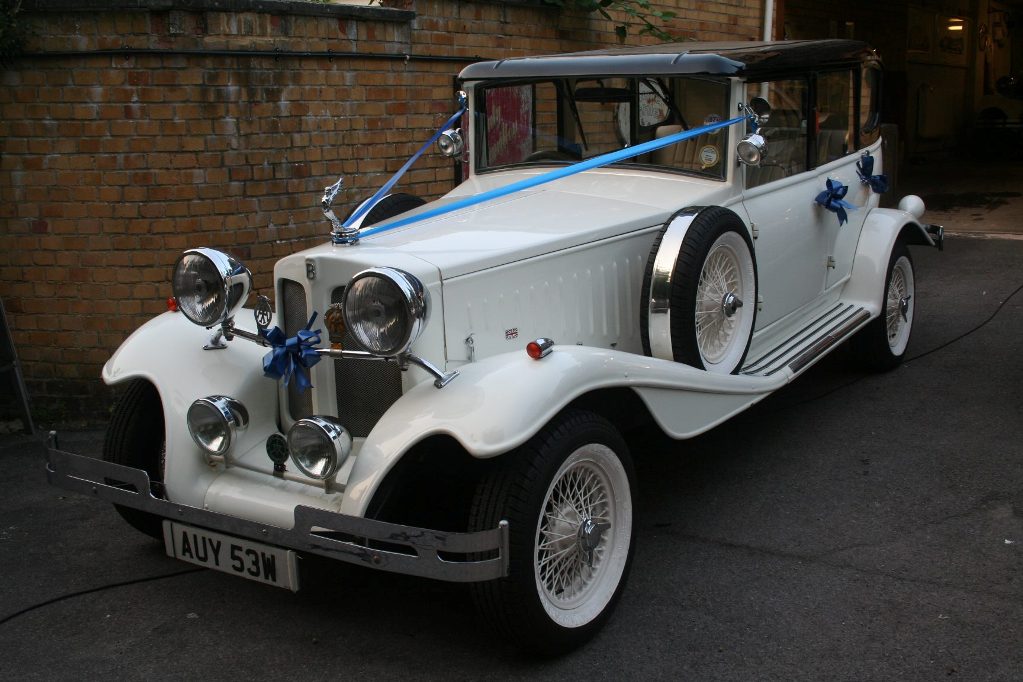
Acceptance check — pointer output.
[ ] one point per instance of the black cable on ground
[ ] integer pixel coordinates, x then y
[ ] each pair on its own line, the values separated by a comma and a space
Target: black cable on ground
80, 593
915, 357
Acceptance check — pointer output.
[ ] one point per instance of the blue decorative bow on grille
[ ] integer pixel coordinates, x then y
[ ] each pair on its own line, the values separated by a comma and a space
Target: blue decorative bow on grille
833, 199
292, 356
865, 169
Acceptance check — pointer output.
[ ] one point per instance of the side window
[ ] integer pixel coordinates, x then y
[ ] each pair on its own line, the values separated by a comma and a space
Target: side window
785, 131
835, 116
870, 106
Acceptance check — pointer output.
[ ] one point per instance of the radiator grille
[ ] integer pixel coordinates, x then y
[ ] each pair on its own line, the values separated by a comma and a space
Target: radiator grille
295, 314
365, 388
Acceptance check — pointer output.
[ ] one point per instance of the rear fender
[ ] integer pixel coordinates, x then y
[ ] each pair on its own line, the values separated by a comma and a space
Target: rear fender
168, 352
882, 228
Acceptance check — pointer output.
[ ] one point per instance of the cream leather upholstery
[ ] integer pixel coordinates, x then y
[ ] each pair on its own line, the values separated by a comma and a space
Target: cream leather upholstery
701, 153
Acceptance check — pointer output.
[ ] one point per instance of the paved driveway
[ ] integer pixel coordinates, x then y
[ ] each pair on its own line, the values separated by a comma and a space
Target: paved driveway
851, 527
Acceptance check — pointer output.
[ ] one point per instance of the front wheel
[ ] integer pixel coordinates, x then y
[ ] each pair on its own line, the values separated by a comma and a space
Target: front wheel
567, 496
136, 438
881, 345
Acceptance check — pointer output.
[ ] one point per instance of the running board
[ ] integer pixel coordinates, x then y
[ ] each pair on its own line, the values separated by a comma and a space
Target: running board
801, 349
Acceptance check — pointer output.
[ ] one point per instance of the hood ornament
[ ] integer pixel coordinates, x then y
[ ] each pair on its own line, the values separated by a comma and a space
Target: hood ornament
339, 234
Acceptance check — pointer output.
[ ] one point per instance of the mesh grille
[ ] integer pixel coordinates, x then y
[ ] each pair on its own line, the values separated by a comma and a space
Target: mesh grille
295, 314
365, 388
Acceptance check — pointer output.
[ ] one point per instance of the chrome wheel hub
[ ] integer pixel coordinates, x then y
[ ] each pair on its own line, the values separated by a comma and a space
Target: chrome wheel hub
730, 303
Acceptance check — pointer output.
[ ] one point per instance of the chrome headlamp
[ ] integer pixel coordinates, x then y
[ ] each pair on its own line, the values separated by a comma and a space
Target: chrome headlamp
451, 142
213, 422
210, 286
752, 149
385, 310
319, 446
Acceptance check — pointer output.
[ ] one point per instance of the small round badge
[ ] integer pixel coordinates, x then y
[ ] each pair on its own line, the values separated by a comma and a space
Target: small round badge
334, 321
263, 313
277, 450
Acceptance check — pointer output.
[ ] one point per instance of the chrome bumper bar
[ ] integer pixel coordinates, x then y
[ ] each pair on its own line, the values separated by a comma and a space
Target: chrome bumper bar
385, 546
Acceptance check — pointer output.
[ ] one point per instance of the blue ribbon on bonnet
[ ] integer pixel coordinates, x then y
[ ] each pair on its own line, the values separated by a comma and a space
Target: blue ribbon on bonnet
865, 169
833, 199
291, 356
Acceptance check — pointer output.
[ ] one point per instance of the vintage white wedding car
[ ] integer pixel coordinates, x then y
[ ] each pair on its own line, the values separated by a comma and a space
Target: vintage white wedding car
665, 234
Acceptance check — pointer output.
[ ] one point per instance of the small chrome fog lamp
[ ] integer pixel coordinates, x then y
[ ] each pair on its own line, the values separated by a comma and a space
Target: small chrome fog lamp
451, 142
752, 149
385, 310
210, 286
213, 422
319, 446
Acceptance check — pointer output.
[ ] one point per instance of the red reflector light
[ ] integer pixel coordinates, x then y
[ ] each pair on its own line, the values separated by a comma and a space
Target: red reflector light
539, 348
172, 304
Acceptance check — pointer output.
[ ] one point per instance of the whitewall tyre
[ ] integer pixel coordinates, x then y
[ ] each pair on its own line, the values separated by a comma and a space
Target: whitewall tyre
881, 345
700, 291
567, 495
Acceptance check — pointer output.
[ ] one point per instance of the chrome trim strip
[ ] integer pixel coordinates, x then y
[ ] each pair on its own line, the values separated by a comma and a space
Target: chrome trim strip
789, 345
659, 298
345, 538
816, 350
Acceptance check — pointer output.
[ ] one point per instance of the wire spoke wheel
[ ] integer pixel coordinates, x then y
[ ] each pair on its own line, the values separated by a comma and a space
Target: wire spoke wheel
716, 326
580, 535
881, 345
899, 305
699, 292
567, 496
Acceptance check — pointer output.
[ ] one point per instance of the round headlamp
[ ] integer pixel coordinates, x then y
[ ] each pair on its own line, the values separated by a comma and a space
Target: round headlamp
385, 310
451, 142
752, 149
213, 422
319, 446
210, 286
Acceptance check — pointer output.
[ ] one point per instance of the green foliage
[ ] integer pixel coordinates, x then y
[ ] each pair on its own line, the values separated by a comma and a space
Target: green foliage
12, 31
636, 12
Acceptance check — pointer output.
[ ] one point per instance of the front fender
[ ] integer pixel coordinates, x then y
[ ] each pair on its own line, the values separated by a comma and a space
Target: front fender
881, 229
498, 403
168, 352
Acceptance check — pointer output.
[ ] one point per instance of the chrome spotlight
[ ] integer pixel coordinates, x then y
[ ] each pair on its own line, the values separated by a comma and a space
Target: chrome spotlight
214, 421
319, 446
210, 286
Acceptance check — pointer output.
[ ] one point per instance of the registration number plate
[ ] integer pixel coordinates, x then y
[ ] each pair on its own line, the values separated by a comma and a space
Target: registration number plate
252, 560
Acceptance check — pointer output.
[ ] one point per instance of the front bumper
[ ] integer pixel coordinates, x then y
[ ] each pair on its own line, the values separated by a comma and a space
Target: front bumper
390, 547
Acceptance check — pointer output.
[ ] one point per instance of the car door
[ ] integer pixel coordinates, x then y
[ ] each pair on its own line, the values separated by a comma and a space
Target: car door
792, 237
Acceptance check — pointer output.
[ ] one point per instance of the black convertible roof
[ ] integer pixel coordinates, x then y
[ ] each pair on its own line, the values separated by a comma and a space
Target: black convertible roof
749, 59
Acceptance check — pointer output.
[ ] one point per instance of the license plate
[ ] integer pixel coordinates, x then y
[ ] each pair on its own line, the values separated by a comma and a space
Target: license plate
252, 560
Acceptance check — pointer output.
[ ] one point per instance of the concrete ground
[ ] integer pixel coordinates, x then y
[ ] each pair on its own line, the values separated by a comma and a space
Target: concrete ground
852, 526
970, 197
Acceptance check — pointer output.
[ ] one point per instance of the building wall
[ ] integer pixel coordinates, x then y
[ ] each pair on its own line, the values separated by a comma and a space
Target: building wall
128, 135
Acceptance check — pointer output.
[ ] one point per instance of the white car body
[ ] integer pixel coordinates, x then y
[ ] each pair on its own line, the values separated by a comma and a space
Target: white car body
563, 261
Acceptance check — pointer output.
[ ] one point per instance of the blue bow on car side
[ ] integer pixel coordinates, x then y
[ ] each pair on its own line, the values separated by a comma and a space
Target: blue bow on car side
865, 169
833, 199
292, 356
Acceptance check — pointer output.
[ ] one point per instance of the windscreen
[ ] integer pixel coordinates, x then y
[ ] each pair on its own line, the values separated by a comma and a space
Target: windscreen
562, 121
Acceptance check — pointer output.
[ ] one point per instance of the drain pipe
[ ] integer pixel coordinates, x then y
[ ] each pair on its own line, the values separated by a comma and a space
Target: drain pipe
768, 20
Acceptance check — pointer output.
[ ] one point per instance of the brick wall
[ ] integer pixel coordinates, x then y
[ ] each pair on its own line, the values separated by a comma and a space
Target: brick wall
134, 129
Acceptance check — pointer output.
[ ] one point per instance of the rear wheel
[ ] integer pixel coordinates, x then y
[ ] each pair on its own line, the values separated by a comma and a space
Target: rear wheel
567, 496
881, 345
136, 438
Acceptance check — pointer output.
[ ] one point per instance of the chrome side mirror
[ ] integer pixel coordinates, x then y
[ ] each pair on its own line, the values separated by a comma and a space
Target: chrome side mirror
451, 142
752, 149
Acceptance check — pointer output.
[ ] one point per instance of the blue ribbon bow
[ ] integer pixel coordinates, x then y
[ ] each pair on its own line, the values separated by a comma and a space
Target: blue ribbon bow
833, 199
292, 356
865, 169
